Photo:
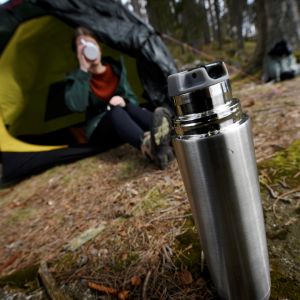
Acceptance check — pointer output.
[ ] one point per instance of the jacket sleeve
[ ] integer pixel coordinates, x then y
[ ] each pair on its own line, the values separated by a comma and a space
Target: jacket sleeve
77, 91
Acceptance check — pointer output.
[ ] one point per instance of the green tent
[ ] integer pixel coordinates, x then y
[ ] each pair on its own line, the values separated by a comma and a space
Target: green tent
36, 54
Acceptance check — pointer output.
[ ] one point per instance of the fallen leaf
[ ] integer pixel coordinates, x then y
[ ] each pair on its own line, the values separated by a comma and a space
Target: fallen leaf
248, 103
123, 295
135, 280
84, 237
124, 256
123, 233
102, 288
185, 277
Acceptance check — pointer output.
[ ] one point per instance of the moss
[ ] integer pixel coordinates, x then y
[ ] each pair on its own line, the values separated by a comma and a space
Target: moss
153, 200
66, 262
18, 215
188, 249
284, 163
23, 279
282, 239
129, 168
283, 287
121, 262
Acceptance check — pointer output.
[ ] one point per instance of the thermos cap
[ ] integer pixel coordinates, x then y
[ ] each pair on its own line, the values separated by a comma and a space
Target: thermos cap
197, 78
203, 101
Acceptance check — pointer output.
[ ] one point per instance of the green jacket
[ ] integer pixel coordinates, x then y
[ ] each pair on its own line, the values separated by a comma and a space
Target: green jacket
79, 97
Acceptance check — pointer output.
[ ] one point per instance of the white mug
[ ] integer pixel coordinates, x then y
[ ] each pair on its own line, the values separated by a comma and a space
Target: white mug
90, 51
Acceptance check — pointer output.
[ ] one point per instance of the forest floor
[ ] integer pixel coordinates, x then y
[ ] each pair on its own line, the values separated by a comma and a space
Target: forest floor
112, 226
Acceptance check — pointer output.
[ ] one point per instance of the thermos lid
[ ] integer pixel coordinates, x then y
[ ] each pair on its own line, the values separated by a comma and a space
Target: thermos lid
198, 78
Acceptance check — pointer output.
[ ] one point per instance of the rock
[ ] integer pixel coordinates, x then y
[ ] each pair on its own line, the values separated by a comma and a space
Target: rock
280, 234
83, 259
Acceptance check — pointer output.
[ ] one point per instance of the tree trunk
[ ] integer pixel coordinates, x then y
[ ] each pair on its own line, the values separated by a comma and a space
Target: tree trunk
236, 11
282, 21
276, 20
261, 29
218, 23
205, 26
191, 22
139, 7
163, 24
239, 23
212, 20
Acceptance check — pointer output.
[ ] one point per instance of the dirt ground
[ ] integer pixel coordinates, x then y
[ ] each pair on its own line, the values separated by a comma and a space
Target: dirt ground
135, 234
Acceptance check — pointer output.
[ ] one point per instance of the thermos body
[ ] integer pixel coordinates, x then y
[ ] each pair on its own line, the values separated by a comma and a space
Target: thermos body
215, 153
220, 177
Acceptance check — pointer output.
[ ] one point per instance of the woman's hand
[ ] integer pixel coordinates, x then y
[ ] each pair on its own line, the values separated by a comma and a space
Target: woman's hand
85, 64
117, 101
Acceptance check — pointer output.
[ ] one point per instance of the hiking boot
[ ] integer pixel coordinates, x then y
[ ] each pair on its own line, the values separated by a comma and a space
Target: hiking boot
161, 137
146, 147
163, 156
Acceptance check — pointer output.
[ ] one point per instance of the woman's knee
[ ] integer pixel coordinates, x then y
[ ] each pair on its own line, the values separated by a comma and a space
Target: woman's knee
117, 113
116, 110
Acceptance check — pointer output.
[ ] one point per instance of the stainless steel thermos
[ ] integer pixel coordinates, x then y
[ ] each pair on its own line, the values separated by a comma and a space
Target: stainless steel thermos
214, 149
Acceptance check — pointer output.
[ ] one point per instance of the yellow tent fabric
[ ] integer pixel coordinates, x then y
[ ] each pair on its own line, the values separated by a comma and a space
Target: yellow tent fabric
38, 55
11, 144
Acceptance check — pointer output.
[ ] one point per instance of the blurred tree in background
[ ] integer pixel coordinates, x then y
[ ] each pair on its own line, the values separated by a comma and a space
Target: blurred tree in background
225, 25
275, 20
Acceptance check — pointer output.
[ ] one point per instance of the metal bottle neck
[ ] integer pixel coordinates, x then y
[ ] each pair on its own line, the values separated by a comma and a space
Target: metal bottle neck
206, 111
203, 100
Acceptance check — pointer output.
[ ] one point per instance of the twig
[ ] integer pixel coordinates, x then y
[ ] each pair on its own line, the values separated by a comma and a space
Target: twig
274, 209
168, 218
146, 285
49, 283
175, 206
202, 261
283, 183
266, 157
271, 191
296, 175
207, 56
166, 255
281, 197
